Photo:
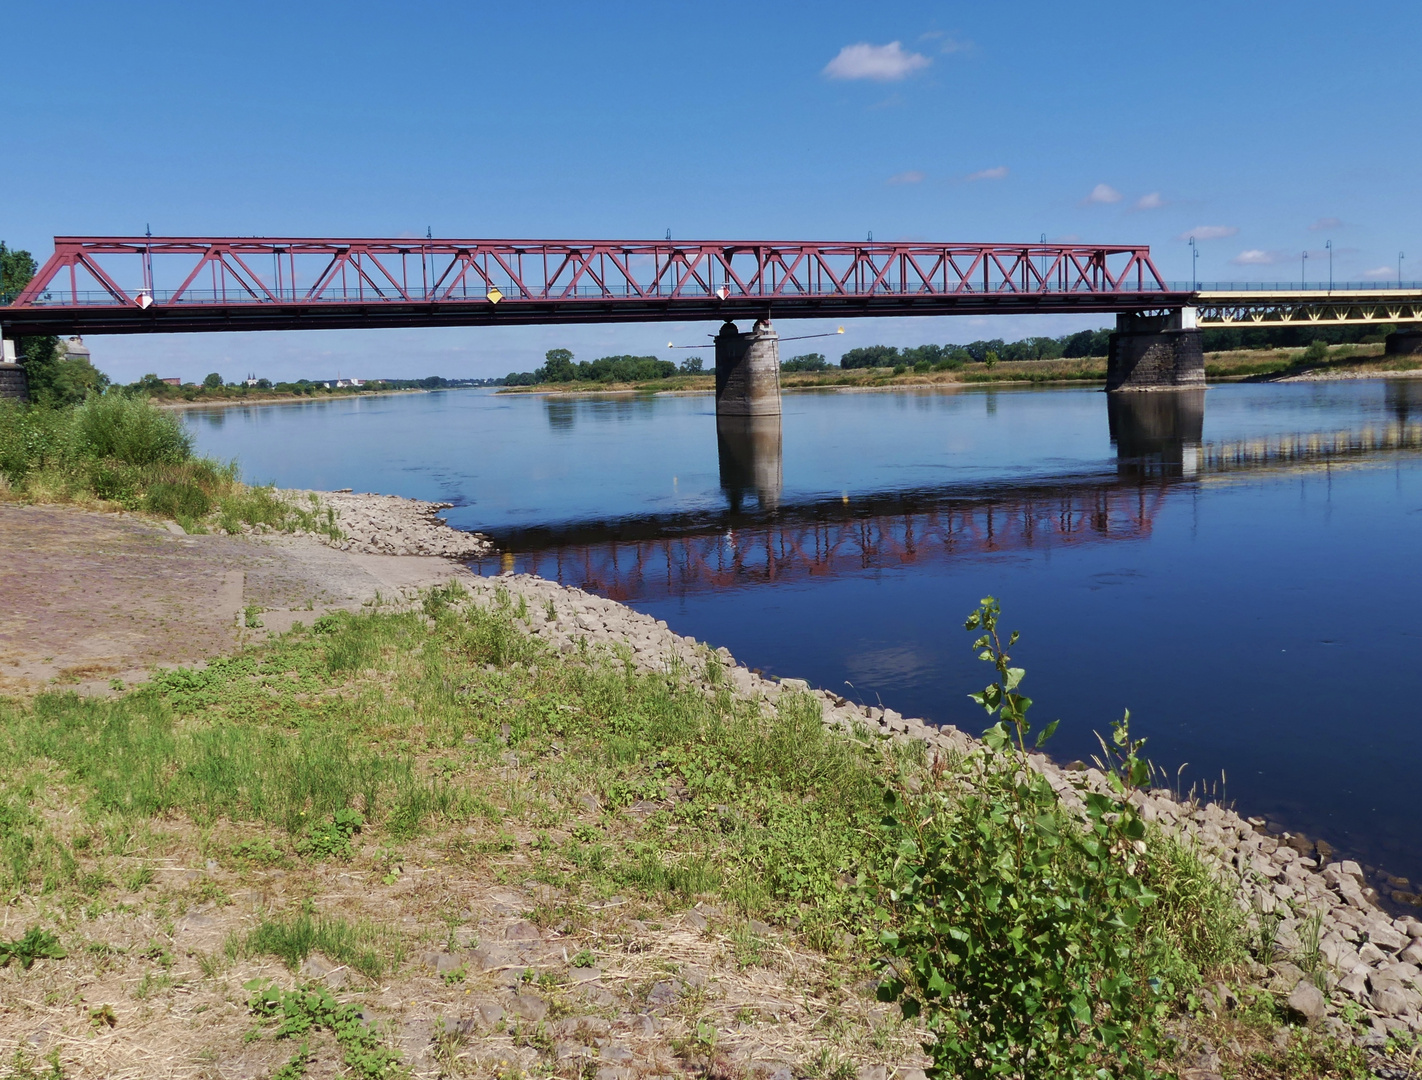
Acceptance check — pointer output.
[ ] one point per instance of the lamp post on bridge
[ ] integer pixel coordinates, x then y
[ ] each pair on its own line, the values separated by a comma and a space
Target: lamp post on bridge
1303, 271
1329, 246
1194, 264
1399, 269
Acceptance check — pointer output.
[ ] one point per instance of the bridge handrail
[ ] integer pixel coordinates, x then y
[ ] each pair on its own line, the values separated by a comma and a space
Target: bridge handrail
1294, 286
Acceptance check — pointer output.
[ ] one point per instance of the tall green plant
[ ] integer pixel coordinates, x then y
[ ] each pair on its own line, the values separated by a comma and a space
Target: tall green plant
131, 430
1013, 923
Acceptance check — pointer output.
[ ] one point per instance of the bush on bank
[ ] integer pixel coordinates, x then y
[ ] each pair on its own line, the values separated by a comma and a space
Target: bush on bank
124, 451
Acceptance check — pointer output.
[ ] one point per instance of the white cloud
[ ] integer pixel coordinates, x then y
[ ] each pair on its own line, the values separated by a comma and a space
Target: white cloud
1255, 257
882, 63
1209, 232
1324, 223
1381, 272
913, 176
997, 172
1103, 193
1153, 201
955, 45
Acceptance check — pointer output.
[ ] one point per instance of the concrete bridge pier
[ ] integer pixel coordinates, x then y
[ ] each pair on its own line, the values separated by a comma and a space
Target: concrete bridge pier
748, 371
13, 383
1155, 352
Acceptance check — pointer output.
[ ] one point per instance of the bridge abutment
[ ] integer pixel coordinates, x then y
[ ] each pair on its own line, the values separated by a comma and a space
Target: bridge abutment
13, 383
1155, 352
1403, 343
748, 371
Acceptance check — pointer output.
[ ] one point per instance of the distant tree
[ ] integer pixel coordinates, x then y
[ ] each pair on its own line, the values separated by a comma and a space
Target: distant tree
692, 365
870, 356
806, 362
978, 350
1317, 350
264, 384
213, 381
990, 359
558, 366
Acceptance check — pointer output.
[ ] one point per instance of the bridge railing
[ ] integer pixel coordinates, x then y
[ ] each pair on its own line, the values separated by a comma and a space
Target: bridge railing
1390, 285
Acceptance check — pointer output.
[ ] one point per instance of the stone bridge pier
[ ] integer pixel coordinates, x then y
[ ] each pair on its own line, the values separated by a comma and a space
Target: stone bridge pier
748, 371
13, 383
1155, 352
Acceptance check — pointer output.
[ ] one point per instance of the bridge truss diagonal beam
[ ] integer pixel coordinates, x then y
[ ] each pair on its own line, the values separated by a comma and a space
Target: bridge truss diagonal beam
148, 283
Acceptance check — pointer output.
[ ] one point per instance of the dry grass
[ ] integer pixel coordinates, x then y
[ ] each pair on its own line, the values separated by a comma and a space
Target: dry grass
157, 911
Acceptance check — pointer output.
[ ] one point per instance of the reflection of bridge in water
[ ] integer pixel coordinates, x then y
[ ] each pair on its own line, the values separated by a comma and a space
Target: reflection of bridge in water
759, 539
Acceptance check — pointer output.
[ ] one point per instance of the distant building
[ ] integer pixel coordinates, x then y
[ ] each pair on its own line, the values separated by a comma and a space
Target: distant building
172, 382
75, 347
251, 380
343, 384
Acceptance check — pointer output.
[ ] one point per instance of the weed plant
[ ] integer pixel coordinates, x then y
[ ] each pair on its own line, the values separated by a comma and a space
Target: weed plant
1021, 931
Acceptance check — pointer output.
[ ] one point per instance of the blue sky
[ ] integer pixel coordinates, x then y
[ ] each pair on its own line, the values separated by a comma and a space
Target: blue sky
1269, 128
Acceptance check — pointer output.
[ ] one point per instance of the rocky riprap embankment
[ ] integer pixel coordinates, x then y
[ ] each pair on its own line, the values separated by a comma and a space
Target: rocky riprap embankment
1322, 917
391, 525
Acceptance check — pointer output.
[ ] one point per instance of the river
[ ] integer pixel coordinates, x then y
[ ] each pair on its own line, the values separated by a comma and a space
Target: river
1235, 565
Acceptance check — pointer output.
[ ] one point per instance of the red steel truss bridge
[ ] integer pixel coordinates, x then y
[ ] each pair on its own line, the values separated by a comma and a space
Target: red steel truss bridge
148, 284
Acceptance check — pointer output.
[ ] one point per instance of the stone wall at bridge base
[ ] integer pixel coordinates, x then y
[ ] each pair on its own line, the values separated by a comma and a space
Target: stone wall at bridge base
1155, 359
13, 383
1403, 343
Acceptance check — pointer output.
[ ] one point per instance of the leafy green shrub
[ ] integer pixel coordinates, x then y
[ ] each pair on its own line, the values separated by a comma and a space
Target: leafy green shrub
1317, 350
31, 439
1013, 925
132, 430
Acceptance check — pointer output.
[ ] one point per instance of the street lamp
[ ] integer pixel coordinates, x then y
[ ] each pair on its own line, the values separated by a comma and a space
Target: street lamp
1303, 271
1329, 246
1399, 269
1194, 263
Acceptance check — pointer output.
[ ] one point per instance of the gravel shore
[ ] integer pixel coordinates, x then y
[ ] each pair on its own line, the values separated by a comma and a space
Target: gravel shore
391, 525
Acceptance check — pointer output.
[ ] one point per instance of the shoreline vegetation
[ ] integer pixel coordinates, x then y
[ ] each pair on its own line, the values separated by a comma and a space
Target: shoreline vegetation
1343, 361
509, 828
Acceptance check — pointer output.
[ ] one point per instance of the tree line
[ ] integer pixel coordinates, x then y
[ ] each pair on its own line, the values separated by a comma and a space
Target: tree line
560, 367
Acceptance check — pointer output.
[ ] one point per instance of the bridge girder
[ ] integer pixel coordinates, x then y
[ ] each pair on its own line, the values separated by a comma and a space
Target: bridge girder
1308, 308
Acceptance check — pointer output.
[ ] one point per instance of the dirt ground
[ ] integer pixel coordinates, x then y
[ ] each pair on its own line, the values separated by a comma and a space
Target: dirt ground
86, 598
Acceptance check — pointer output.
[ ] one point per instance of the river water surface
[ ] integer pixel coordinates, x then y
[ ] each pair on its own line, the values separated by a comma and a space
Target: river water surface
1236, 566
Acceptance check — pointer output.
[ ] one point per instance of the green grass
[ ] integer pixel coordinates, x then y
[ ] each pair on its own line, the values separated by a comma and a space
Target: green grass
365, 737
371, 950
